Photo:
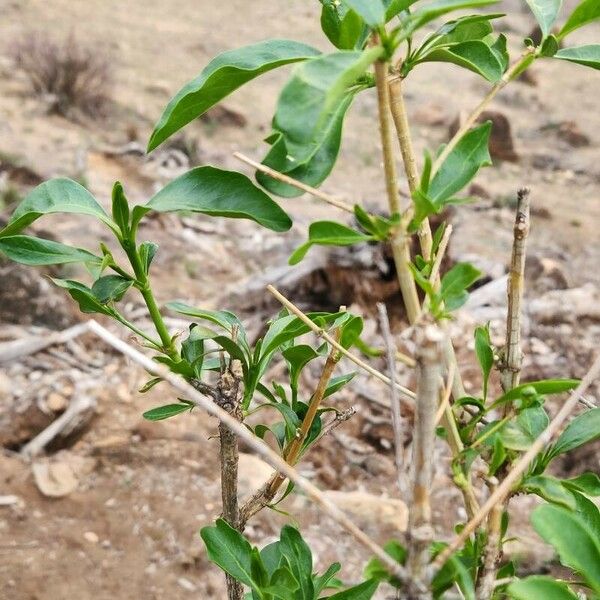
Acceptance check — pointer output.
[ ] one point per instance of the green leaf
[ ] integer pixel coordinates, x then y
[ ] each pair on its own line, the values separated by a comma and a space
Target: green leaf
372, 11
587, 483
299, 557
216, 192
588, 512
351, 331
581, 430
313, 94
111, 288
166, 412
85, 298
120, 208
147, 251
586, 12
569, 535
429, 12
468, 156
455, 570
521, 432
314, 171
298, 357
337, 383
589, 56
150, 384
343, 27
545, 13
455, 283
271, 557
540, 586
223, 318
549, 46
550, 489
230, 551
37, 251
223, 75
485, 354
395, 7
375, 570
463, 29
321, 582
363, 591
542, 388
328, 233
54, 196
474, 55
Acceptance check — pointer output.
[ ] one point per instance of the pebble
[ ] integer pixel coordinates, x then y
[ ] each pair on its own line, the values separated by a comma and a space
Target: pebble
91, 537
56, 402
186, 584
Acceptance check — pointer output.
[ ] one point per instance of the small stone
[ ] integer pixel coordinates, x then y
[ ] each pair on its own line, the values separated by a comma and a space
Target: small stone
186, 584
369, 509
569, 132
54, 480
11, 500
91, 537
56, 402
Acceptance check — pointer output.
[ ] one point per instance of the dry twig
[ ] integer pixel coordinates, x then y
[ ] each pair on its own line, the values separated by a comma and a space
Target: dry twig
395, 401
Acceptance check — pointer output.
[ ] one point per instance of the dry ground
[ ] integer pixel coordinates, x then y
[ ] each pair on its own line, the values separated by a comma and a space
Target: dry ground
130, 528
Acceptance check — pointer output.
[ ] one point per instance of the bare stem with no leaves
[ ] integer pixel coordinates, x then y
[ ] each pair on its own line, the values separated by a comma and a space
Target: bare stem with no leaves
400, 238
228, 398
400, 117
390, 347
511, 367
420, 532
329, 198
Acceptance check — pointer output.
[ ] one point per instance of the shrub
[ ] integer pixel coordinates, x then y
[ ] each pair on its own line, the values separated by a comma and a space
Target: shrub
70, 75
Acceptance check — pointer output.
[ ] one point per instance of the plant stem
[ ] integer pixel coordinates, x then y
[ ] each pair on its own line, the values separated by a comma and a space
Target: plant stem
470, 120
143, 284
511, 367
410, 395
400, 117
228, 398
292, 452
498, 496
420, 532
395, 401
400, 239
510, 372
260, 447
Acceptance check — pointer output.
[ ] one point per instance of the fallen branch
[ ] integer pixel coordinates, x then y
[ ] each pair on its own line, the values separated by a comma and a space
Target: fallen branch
31, 344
